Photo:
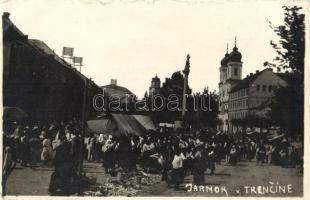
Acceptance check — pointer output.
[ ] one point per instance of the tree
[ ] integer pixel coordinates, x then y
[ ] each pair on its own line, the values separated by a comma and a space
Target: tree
205, 114
202, 107
291, 46
287, 109
171, 86
174, 85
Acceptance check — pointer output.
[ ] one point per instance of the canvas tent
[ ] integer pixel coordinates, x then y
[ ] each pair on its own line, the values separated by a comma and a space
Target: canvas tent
103, 125
127, 124
121, 124
145, 121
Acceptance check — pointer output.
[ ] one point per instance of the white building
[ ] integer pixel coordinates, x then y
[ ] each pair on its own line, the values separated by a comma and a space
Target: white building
240, 97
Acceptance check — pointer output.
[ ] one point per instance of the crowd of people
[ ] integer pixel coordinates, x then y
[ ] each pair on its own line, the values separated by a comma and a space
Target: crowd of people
173, 155
176, 156
37, 144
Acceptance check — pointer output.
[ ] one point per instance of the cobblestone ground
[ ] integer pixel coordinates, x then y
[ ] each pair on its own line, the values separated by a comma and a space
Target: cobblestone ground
233, 179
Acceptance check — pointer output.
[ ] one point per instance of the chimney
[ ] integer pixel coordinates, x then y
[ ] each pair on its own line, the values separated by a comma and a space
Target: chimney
113, 81
257, 71
251, 74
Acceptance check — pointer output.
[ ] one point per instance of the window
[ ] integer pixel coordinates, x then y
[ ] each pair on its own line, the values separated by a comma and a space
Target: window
264, 88
269, 88
258, 88
236, 71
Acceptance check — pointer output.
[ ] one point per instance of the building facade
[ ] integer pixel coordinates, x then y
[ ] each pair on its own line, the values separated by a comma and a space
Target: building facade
40, 82
230, 75
240, 97
252, 94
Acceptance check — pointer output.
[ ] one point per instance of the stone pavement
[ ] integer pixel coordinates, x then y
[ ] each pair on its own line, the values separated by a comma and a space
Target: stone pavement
233, 178
26, 181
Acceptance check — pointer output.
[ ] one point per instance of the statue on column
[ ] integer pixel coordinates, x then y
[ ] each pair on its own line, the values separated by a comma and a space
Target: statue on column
187, 65
186, 73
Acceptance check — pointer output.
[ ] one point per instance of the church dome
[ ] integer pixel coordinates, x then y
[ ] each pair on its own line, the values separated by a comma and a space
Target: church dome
225, 60
235, 55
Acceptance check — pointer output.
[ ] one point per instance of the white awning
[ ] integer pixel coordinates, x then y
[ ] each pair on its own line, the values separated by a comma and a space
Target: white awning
145, 121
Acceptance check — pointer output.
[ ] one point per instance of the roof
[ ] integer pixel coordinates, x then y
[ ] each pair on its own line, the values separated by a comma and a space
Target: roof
145, 121
40, 47
127, 124
235, 55
115, 88
105, 126
7, 23
117, 91
245, 83
284, 76
155, 79
121, 124
43, 47
225, 60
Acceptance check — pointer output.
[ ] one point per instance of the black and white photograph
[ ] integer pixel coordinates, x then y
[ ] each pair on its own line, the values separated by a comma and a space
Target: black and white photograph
154, 98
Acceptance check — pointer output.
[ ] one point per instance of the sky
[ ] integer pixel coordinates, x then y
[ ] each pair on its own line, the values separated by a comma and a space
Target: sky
133, 40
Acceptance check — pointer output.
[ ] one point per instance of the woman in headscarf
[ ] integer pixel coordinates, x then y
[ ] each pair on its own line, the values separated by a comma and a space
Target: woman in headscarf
60, 179
47, 150
199, 166
233, 155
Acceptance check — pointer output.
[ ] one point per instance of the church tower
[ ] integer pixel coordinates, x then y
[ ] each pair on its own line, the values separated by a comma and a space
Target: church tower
234, 64
230, 74
155, 86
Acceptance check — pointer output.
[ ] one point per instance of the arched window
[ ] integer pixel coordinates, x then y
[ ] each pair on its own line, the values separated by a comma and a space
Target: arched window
236, 71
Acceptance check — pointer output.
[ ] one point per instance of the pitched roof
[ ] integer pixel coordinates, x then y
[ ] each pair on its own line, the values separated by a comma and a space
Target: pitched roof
285, 76
112, 89
7, 24
117, 91
44, 48
244, 83
39, 46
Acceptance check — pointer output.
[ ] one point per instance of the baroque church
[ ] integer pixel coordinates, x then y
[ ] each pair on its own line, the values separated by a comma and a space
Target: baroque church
239, 97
